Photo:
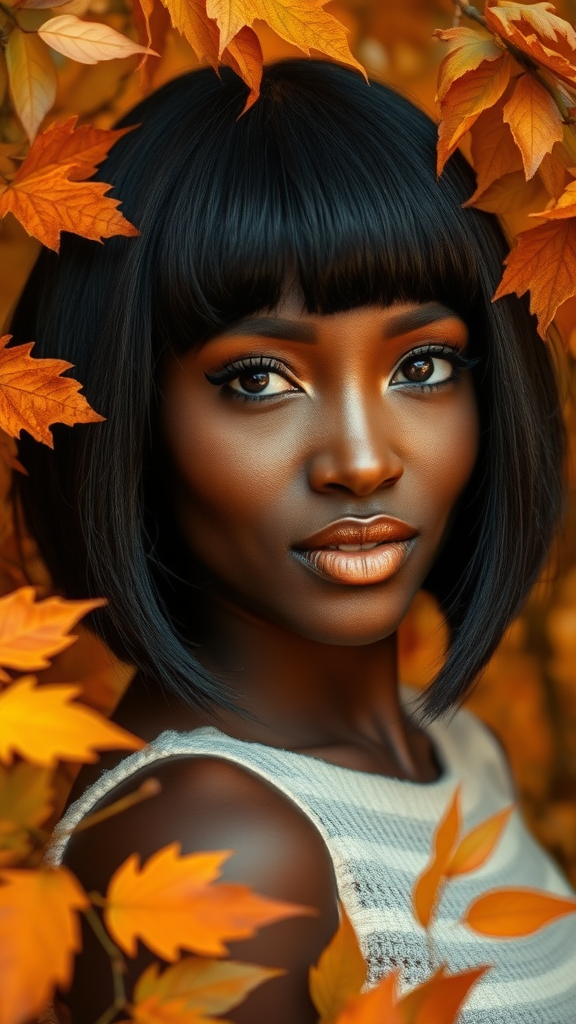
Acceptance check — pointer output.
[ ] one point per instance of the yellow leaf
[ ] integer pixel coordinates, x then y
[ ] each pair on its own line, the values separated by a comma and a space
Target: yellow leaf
304, 23
87, 41
170, 905
32, 77
34, 395
439, 999
466, 99
25, 802
204, 985
468, 49
33, 631
190, 19
535, 121
244, 56
544, 262
428, 884
39, 935
340, 972
512, 913
40, 724
379, 1005
479, 844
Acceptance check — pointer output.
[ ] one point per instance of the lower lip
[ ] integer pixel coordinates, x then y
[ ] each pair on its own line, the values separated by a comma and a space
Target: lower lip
358, 568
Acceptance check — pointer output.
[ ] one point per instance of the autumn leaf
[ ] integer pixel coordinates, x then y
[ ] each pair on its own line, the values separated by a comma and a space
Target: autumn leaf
153, 1011
304, 23
554, 170
538, 32
340, 972
42, 725
39, 935
170, 904
244, 56
494, 152
34, 395
87, 41
427, 885
190, 19
26, 795
378, 1004
46, 202
439, 999
467, 50
514, 913
32, 76
509, 193
32, 632
466, 99
544, 263
478, 845
535, 121
64, 143
204, 985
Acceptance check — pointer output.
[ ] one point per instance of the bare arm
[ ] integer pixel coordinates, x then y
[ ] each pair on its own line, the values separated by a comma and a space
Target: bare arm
210, 804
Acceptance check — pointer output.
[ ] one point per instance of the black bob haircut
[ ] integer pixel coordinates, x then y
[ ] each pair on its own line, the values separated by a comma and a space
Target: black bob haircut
333, 181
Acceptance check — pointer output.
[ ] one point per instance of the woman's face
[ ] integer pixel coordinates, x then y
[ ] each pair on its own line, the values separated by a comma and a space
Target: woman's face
363, 422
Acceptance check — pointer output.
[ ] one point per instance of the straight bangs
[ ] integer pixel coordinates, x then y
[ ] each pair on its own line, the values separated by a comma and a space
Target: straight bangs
338, 200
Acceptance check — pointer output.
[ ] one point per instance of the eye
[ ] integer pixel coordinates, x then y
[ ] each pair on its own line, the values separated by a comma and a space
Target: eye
260, 382
425, 368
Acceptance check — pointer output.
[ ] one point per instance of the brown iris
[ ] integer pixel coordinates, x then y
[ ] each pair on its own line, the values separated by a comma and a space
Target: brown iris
417, 370
254, 381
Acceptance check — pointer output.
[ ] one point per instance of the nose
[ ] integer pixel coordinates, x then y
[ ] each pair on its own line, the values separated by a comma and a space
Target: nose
355, 451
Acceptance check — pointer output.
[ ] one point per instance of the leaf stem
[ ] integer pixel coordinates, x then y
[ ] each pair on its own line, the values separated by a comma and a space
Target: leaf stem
151, 787
117, 962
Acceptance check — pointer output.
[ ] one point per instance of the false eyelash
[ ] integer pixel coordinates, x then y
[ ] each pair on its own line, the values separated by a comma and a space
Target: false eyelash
230, 370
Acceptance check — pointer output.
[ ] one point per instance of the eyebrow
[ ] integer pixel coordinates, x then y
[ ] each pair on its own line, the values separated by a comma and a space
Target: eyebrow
283, 329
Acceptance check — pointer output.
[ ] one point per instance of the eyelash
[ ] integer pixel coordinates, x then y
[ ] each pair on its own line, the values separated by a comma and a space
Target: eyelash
231, 370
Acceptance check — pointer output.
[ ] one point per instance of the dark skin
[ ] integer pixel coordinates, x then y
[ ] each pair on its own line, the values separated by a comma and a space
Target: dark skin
343, 430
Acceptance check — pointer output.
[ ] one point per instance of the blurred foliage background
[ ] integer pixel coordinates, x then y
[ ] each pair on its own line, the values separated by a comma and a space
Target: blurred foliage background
528, 693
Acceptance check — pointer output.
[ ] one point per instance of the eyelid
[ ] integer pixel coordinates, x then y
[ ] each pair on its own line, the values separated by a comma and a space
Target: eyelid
251, 361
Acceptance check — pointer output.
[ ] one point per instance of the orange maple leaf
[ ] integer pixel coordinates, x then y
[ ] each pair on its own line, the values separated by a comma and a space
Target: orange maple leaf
340, 972
170, 904
535, 121
40, 724
544, 261
34, 395
26, 795
478, 845
202, 985
33, 631
47, 200
39, 935
467, 50
64, 143
471, 94
304, 23
427, 885
511, 913
537, 31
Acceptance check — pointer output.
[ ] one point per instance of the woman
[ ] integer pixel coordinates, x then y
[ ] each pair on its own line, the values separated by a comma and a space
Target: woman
312, 410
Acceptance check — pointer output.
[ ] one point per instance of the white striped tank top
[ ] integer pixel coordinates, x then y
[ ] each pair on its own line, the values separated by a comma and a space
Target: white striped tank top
378, 832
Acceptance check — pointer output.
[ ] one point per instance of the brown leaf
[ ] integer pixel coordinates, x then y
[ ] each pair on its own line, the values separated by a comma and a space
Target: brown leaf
535, 121
513, 913
428, 884
494, 152
340, 972
34, 395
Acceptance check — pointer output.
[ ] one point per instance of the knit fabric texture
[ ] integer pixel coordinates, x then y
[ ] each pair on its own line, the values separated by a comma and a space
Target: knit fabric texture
379, 832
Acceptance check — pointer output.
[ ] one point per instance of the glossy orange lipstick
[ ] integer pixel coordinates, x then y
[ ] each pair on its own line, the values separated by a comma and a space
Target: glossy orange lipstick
358, 551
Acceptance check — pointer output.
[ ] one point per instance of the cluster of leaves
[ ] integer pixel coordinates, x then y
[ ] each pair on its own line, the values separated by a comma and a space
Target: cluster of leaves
511, 82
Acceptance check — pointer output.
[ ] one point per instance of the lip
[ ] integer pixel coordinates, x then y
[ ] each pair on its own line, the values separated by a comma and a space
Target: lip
395, 540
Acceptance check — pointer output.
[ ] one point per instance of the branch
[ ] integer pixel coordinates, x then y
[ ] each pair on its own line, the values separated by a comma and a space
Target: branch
117, 962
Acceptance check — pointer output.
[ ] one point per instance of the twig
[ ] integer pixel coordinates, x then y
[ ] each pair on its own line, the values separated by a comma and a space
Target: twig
116, 961
151, 787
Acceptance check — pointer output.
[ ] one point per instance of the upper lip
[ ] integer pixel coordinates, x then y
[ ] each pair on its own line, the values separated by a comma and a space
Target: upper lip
376, 530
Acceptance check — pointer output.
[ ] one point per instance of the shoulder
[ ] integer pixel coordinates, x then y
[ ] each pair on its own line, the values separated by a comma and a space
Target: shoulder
208, 803
472, 746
